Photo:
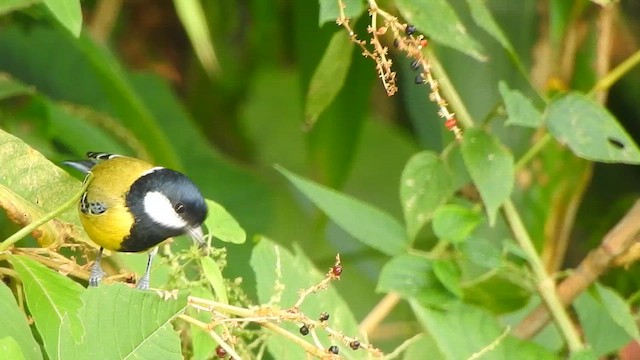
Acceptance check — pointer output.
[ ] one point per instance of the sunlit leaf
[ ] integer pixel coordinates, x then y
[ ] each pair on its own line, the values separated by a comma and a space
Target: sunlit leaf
370, 225
590, 131
68, 13
51, 297
10, 349
222, 225
491, 167
438, 20
14, 326
426, 183
329, 76
192, 17
213, 274
280, 275
454, 223
519, 108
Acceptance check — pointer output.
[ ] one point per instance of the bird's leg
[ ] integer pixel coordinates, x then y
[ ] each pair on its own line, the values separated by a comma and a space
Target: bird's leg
143, 283
96, 271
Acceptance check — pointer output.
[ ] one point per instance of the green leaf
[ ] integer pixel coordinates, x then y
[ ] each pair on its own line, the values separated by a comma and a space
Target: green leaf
14, 326
25, 191
520, 109
483, 17
10, 87
222, 225
438, 20
602, 333
329, 76
193, 19
586, 354
448, 272
425, 184
370, 225
454, 223
50, 298
590, 131
412, 276
465, 330
68, 13
619, 310
10, 349
425, 345
329, 11
7, 6
126, 323
280, 275
490, 165
213, 274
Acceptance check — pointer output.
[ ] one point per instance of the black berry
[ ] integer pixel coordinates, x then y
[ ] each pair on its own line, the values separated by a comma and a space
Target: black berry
419, 79
304, 330
415, 64
410, 29
334, 349
396, 43
355, 344
324, 316
221, 352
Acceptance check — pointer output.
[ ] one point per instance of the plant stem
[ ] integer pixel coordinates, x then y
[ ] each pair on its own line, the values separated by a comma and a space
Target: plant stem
614, 75
546, 285
20, 234
533, 151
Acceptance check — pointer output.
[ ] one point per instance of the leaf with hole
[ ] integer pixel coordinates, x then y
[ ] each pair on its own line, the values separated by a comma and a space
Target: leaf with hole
590, 131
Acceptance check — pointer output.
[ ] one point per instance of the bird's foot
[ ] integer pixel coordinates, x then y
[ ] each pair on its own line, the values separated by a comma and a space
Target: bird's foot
96, 275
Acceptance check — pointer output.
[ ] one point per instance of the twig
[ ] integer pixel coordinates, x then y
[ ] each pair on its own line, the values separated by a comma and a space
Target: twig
378, 313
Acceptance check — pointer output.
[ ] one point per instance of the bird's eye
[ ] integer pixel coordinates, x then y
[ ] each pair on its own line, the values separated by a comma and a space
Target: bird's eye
179, 208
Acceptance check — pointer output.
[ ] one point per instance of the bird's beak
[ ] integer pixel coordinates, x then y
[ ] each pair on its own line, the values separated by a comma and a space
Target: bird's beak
197, 235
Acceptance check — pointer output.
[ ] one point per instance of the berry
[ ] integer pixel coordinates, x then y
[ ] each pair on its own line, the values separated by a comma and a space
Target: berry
324, 316
336, 270
304, 330
415, 64
450, 123
396, 42
355, 344
424, 43
221, 352
419, 79
410, 29
334, 349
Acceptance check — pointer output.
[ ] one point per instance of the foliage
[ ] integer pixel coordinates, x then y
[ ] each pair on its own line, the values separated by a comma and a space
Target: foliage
464, 168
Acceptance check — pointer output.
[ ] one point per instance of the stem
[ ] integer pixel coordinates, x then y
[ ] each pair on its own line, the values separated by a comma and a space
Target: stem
533, 151
379, 313
614, 75
546, 285
449, 90
20, 234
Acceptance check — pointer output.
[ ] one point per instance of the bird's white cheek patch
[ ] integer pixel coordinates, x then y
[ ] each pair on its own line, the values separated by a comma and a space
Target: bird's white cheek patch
160, 210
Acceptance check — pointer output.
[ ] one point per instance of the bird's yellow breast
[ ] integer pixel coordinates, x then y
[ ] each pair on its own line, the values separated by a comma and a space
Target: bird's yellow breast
110, 184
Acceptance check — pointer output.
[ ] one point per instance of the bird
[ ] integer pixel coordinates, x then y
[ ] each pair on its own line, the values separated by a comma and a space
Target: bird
133, 206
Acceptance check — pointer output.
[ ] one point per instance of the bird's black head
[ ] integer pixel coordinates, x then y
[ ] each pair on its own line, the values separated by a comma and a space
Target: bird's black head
164, 203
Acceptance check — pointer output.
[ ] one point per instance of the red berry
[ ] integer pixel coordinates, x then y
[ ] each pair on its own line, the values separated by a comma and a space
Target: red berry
336, 270
450, 123
424, 43
221, 352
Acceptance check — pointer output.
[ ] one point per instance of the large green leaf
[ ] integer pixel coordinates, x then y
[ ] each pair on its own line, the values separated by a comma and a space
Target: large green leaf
281, 272
465, 330
329, 10
490, 165
25, 191
10, 349
426, 183
412, 276
51, 297
329, 76
68, 13
13, 324
438, 20
362, 221
589, 130
519, 108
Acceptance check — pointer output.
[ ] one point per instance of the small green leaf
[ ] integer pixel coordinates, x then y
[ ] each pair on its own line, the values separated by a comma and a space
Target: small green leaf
193, 19
590, 131
491, 167
14, 326
10, 87
438, 20
482, 16
50, 297
280, 275
520, 109
364, 222
329, 76
425, 184
448, 272
602, 333
330, 12
213, 274
222, 225
10, 349
68, 13
454, 223
619, 310
412, 276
